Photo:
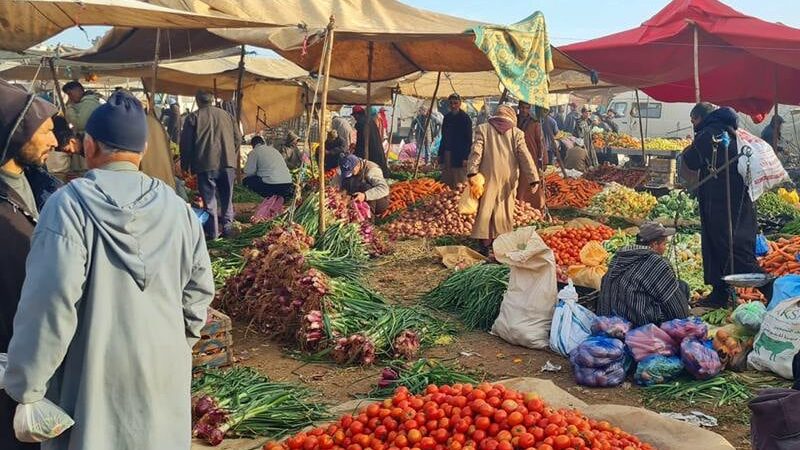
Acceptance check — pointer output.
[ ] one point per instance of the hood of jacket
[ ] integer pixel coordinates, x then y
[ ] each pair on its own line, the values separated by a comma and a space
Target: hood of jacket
133, 214
722, 118
627, 259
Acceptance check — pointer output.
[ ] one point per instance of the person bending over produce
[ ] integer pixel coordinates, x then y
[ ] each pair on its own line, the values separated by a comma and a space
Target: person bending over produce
117, 285
715, 129
499, 153
266, 172
577, 158
364, 181
640, 285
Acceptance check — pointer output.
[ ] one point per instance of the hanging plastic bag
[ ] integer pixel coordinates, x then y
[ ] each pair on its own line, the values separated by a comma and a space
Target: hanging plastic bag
611, 326
476, 186
571, 322
467, 204
680, 329
699, 360
657, 369
592, 268
598, 351
268, 209
649, 340
765, 169
40, 421
608, 376
762, 246
750, 315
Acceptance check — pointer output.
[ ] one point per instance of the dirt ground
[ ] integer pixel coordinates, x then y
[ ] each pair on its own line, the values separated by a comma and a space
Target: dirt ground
403, 277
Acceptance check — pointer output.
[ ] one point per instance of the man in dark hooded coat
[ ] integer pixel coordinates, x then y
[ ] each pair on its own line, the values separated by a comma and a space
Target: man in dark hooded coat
716, 129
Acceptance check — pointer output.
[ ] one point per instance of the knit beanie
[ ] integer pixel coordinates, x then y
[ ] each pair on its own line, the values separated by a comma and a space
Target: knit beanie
120, 123
13, 100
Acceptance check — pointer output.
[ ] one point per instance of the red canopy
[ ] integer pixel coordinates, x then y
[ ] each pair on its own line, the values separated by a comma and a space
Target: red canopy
744, 62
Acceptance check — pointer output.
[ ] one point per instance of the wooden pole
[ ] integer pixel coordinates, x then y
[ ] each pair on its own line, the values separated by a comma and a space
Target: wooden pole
57, 85
775, 124
427, 123
503, 97
641, 127
391, 125
215, 92
155, 70
239, 100
322, 110
696, 66
368, 108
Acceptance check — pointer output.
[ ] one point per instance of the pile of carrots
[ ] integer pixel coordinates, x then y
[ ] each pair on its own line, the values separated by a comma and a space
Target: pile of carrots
782, 259
406, 193
574, 193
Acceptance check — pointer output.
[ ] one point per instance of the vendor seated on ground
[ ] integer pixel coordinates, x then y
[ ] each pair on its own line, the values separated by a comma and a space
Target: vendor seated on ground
640, 285
266, 172
364, 181
577, 158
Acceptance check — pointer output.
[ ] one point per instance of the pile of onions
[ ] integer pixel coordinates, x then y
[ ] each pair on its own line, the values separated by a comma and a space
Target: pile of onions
439, 216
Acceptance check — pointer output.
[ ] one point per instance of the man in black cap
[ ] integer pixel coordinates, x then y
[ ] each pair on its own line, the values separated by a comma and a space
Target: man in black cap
26, 139
117, 287
640, 285
209, 144
456, 143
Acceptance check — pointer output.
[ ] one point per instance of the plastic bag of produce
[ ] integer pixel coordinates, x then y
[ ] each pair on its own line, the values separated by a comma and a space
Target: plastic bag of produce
699, 360
691, 327
778, 340
649, 340
268, 209
750, 315
762, 246
571, 322
657, 369
590, 272
785, 287
527, 308
608, 376
598, 351
765, 169
40, 421
611, 326
467, 204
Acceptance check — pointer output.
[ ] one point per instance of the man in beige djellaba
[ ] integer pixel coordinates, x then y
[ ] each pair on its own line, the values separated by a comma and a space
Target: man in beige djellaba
500, 154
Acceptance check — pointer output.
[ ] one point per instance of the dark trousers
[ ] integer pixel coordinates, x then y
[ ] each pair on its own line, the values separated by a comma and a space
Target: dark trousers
257, 185
212, 184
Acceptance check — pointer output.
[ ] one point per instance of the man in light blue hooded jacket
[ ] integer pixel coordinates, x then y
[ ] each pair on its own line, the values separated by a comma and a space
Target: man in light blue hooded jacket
117, 287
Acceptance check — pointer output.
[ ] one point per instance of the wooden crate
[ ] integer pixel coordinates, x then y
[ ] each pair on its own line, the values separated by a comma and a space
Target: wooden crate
663, 165
215, 347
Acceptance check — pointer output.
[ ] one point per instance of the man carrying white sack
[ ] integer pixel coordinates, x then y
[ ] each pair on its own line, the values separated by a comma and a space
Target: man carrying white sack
118, 284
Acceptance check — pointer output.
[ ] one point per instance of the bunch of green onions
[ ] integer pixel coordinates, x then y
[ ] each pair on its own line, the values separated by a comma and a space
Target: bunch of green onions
418, 376
474, 294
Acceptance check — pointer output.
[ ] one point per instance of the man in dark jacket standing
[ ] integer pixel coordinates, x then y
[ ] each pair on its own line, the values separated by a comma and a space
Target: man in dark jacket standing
456, 143
375, 145
209, 145
715, 142
24, 152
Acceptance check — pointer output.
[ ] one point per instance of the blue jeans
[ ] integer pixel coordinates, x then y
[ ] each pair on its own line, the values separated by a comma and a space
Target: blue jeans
212, 184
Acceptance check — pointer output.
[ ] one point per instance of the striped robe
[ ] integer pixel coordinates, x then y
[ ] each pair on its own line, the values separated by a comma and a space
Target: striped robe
641, 287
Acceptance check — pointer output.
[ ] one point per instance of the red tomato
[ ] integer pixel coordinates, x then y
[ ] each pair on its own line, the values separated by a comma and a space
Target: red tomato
440, 435
482, 423
562, 441
515, 418
427, 443
414, 436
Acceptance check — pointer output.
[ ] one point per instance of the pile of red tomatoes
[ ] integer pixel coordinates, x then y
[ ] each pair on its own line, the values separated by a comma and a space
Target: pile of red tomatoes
462, 417
567, 243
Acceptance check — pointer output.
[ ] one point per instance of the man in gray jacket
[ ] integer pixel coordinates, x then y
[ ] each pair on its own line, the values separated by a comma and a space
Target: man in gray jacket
209, 145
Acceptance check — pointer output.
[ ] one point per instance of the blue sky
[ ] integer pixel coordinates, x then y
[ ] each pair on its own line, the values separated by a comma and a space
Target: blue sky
568, 21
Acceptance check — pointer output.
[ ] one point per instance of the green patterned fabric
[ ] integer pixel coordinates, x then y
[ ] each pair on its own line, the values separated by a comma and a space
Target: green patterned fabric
521, 56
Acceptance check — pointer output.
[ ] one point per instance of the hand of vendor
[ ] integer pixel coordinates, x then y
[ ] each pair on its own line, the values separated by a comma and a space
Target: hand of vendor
359, 197
534, 187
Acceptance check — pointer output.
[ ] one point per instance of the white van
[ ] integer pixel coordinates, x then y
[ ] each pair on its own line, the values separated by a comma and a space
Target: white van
659, 119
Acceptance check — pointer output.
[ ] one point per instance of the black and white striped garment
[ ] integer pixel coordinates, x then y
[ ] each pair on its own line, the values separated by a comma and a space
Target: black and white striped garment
641, 287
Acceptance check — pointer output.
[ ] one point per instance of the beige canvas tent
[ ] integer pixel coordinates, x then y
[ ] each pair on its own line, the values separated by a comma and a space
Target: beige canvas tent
25, 23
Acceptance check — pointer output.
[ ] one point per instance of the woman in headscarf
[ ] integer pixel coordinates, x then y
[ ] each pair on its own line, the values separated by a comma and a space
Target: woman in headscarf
500, 154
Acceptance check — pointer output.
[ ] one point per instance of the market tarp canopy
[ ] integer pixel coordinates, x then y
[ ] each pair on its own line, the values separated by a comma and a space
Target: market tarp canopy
25, 23
744, 62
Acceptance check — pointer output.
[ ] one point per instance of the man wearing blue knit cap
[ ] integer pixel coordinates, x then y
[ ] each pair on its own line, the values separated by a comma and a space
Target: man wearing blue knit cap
117, 286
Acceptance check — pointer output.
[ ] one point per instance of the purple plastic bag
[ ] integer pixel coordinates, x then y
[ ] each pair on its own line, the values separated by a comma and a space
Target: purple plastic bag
680, 329
608, 376
699, 360
611, 326
649, 340
598, 351
268, 209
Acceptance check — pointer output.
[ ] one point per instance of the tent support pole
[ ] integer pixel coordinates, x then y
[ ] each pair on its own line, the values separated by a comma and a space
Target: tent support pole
503, 97
239, 100
215, 92
427, 124
368, 108
155, 71
57, 85
774, 123
323, 108
641, 129
696, 65
391, 125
